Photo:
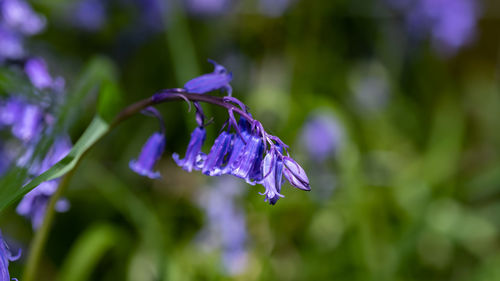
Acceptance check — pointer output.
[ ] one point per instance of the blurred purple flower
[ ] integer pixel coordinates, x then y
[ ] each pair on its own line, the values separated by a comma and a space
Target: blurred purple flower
150, 154
219, 79
34, 204
29, 123
11, 44
5, 257
225, 225
321, 136
248, 164
37, 72
89, 14
10, 110
18, 15
274, 8
193, 158
207, 7
451, 24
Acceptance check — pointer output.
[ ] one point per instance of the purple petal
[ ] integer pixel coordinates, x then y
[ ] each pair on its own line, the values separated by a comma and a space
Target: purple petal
192, 153
37, 71
215, 159
295, 174
151, 152
219, 79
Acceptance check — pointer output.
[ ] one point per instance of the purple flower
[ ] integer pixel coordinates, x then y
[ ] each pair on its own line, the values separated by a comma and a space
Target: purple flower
150, 154
10, 110
18, 15
11, 44
274, 8
34, 204
321, 136
295, 174
37, 72
238, 144
29, 123
272, 172
89, 14
451, 24
219, 79
208, 7
193, 158
225, 225
213, 163
5, 257
247, 165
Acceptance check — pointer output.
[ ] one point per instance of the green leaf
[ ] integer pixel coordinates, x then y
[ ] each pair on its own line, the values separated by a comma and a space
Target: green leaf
88, 250
109, 103
97, 128
100, 73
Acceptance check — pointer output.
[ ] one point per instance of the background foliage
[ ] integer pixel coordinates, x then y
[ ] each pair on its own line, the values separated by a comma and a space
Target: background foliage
411, 191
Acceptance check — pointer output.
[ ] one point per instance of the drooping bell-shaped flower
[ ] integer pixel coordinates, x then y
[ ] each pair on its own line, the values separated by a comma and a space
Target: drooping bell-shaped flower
37, 72
215, 159
272, 172
238, 143
5, 257
28, 123
11, 44
219, 79
247, 166
10, 111
193, 158
150, 154
295, 174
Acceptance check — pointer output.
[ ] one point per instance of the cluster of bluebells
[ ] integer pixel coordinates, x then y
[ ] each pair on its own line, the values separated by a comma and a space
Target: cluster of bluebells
17, 20
244, 149
450, 23
225, 223
6, 256
27, 121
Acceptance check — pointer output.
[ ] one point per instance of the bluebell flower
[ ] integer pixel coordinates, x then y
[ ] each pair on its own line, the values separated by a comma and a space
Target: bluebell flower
215, 159
18, 15
10, 110
6, 256
39, 75
238, 143
11, 44
272, 173
295, 174
225, 223
322, 135
29, 123
451, 24
247, 165
219, 79
207, 7
193, 158
150, 154
89, 14
34, 203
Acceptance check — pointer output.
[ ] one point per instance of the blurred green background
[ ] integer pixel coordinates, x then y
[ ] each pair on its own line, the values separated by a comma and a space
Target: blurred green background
410, 190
